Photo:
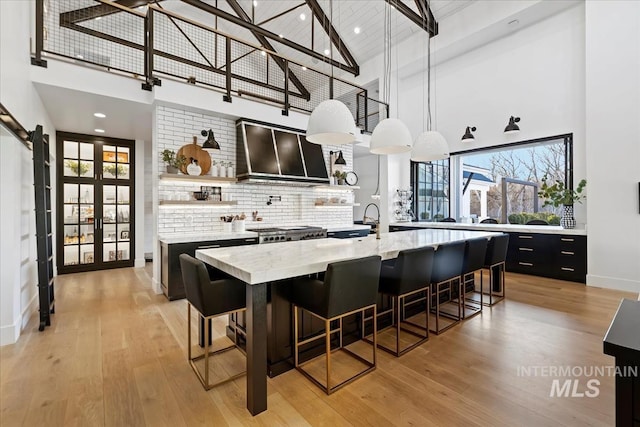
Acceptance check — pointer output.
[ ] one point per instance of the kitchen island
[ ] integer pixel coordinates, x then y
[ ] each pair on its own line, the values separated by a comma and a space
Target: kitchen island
258, 265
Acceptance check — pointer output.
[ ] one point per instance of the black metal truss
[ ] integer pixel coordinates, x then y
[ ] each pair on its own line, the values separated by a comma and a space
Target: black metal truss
425, 18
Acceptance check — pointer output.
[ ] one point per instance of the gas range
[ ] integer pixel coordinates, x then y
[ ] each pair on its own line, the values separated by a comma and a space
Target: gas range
286, 234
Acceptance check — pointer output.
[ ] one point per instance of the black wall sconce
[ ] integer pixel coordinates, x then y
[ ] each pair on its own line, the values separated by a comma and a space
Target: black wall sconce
340, 161
512, 127
211, 142
468, 136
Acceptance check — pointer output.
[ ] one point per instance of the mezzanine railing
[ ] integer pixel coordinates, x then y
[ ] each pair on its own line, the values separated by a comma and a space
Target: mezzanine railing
162, 43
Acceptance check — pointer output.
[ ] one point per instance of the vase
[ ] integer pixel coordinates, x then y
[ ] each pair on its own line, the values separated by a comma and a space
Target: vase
223, 171
230, 171
172, 169
214, 170
567, 220
193, 168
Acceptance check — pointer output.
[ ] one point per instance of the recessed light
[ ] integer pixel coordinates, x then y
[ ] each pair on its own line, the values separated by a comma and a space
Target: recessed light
79, 56
304, 68
263, 53
255, 3
327, 52
99, 130
281, 35
303, 16
98, 18
356, 30
100, 115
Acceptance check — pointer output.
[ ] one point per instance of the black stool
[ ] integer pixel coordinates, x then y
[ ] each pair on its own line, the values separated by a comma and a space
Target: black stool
210, 299
447, 268
474, 255
410, 275
495, 259
349, 287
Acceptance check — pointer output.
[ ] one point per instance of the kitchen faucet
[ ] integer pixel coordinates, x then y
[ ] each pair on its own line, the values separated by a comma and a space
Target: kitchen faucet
376, 222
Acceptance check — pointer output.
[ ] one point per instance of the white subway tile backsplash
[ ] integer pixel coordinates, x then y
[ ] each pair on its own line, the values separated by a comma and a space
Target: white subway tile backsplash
177, 128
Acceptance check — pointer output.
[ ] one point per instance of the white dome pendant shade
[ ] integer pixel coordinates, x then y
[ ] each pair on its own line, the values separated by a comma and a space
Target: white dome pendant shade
390, 136
331, 123
429, 146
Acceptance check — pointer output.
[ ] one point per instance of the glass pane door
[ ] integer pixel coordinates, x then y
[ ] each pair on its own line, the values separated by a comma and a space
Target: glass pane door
95, 186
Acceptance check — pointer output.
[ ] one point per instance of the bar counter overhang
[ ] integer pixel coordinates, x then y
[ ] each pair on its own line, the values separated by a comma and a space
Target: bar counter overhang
258, 265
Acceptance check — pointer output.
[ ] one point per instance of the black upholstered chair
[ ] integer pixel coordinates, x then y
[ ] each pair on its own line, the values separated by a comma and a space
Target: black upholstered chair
474, 255
445, 283
210, 299
410, 275
448, 220
349, 287
489, 221
495, 260
537, 222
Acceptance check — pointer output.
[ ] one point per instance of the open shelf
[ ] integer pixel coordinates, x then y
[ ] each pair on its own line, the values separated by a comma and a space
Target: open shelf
337, 187
204, 178
198, 202
336, 204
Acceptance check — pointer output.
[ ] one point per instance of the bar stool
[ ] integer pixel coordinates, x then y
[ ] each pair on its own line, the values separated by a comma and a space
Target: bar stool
349, 287
447, 268
210, 299
495, 258
410, 275
474, 255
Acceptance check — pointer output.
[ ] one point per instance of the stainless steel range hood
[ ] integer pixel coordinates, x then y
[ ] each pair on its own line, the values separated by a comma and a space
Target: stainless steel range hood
274, 154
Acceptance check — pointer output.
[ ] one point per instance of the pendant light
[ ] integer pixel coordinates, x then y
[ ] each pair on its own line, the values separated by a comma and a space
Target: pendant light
390, 136
331, 122
430, 145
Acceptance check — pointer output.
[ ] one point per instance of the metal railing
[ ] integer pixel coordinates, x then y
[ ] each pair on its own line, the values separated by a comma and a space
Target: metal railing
162, 43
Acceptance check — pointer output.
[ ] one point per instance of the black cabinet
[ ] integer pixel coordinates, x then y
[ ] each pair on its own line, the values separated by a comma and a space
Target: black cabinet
350, 234
171, 277
549, 255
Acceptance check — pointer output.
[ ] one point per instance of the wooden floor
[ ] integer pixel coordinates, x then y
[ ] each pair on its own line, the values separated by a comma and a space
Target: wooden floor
116, 355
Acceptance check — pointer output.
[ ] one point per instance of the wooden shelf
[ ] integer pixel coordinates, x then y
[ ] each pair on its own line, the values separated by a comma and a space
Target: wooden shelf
337, 204
204, 178
337, 187
198, 202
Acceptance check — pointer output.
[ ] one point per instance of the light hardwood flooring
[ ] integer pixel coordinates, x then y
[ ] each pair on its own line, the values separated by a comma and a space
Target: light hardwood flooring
115, 355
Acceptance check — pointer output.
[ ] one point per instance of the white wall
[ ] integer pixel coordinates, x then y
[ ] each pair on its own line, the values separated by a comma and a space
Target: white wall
613, 144
18, 270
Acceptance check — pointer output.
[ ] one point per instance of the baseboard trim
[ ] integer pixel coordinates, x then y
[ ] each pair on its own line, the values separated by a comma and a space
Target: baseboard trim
613, 283
30, 310
9, 334
155, 285
139, 263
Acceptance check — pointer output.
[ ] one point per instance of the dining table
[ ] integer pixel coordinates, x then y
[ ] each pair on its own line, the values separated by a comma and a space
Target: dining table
258, 265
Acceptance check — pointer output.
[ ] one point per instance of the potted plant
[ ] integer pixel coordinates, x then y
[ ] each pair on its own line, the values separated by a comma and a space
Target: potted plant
174, 163
340, 176
557, 194
78, 168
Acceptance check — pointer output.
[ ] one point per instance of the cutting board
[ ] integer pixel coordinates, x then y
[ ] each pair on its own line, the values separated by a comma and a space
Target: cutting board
194, 151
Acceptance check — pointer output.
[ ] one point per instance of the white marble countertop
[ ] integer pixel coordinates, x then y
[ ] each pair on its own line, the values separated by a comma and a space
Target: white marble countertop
263, 263
189, 238
355, 227
543, 229
192, 237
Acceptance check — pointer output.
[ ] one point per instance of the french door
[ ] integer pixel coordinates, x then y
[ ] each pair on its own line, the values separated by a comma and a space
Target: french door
95, 216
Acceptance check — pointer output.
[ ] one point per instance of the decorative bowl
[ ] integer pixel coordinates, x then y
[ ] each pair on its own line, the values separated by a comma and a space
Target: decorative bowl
200, 195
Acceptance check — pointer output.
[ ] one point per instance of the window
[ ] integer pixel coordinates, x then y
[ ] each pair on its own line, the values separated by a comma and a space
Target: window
502, 182
431, 190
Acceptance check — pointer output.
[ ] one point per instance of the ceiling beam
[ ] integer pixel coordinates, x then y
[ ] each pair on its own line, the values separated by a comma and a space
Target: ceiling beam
259, 30
100, 10
333, 34
425, 12
432, 25
267, 45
